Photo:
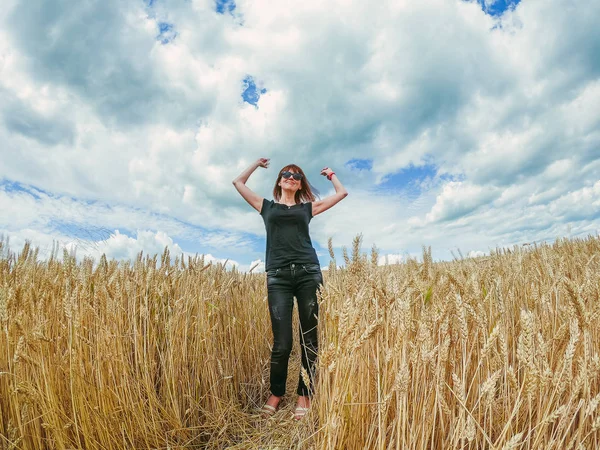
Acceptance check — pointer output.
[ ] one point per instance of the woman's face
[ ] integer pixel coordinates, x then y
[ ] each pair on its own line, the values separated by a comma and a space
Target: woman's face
289, 184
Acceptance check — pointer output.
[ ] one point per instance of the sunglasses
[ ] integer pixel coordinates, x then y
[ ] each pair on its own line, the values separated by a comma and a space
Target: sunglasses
288, 174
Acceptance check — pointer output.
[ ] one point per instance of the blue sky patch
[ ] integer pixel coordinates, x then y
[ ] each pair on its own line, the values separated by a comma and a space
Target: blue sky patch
13, 186
87, 234
166, 33
410, 179
223, 6
359, 164
251, 94
497, 7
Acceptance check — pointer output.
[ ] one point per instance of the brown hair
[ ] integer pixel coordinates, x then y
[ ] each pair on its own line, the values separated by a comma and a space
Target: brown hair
305, 194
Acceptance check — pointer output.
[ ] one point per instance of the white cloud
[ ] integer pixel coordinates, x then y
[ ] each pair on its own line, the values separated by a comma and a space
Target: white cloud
456, 200
390, 259
116, 246
120, 246
255, 266
92, 222
127, 133
579, 204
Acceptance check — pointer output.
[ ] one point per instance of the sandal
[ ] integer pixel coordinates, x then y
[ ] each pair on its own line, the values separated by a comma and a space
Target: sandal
300, 412
268, 410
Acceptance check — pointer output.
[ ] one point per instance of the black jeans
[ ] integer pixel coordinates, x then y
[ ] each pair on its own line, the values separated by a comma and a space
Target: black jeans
301, 281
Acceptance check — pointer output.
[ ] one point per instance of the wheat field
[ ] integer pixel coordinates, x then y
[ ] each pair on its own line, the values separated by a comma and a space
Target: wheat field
495, 352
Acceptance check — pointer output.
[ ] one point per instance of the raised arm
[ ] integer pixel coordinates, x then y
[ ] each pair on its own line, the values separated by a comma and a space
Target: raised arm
340, 192
251, 197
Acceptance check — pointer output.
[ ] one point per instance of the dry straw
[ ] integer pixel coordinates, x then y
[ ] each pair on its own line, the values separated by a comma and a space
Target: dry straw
496, 352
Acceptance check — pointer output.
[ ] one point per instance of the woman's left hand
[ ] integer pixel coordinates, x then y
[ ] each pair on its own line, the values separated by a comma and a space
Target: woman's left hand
326, 171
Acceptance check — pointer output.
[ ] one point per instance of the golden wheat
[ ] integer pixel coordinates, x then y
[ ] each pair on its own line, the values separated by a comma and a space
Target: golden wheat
495, 352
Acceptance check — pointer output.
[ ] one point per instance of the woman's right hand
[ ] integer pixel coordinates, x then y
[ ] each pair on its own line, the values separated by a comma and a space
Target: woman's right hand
263, 162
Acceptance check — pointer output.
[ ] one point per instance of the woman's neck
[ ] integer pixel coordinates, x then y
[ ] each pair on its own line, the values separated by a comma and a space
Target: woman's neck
287, 199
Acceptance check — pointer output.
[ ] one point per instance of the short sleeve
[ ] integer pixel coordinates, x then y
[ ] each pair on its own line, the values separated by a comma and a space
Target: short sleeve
265, 206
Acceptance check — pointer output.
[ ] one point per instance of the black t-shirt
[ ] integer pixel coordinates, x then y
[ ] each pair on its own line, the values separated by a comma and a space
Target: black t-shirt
287, 234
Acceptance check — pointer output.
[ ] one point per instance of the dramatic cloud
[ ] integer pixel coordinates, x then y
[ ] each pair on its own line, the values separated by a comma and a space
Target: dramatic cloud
455, 124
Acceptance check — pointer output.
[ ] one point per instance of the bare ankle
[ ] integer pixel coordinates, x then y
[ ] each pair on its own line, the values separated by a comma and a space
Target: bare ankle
303, 400
274, 399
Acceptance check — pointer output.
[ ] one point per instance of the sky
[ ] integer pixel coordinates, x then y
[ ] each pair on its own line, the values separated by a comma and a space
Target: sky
461, 125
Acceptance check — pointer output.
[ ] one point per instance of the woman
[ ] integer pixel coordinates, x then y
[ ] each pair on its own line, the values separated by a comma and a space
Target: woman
292, 269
